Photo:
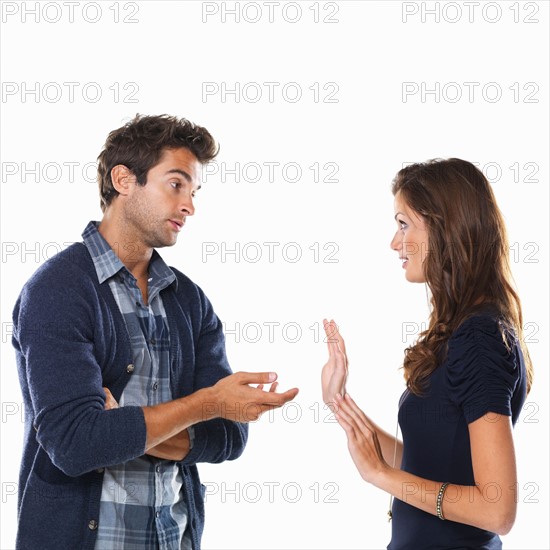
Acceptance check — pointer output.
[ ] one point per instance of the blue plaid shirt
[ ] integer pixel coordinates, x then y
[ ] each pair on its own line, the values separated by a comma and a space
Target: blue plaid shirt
142, 505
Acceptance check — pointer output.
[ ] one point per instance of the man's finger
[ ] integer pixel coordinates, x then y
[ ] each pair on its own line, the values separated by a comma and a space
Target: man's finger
110, 401
273, 399
256, 377
278, 400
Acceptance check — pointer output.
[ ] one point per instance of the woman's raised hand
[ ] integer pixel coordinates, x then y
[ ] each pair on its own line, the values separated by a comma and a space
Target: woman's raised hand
335, 370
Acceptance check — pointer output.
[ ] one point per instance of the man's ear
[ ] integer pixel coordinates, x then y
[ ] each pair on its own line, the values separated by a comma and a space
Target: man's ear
122, 177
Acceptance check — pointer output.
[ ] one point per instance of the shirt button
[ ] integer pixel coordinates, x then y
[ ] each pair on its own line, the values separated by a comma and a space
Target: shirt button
92, 525
155, 386
158, 469
130, 368
157, 514
100, 470
153, 341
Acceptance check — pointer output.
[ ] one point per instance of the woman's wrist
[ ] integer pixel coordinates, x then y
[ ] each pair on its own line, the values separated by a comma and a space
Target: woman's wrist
386, 477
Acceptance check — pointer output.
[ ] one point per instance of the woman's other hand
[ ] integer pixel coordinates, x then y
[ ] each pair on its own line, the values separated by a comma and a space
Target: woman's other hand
363, 444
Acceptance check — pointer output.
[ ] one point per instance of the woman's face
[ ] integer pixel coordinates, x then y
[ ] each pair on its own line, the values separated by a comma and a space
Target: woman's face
410, 240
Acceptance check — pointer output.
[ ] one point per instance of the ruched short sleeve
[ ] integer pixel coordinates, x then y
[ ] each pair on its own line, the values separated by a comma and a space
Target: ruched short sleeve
482, 373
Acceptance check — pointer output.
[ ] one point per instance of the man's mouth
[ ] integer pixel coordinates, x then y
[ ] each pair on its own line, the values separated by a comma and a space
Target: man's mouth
177, 224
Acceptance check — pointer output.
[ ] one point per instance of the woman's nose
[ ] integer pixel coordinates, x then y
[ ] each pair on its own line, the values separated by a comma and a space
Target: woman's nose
396, 242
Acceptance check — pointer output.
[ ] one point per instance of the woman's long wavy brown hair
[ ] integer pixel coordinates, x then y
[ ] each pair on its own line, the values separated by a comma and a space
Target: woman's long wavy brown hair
467, 264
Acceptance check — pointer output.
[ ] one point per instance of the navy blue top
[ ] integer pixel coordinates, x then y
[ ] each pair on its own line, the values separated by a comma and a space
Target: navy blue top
479, 375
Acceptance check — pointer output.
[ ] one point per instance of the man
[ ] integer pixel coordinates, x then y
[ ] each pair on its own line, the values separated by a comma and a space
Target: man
122, 364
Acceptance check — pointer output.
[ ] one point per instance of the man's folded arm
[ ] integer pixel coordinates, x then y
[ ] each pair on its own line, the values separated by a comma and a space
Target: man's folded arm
55, 354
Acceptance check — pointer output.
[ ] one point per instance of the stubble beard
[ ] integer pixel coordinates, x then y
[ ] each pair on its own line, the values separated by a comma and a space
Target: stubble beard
149, 230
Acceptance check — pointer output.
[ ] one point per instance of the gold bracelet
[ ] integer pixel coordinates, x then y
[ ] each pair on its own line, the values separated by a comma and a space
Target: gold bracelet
439, 501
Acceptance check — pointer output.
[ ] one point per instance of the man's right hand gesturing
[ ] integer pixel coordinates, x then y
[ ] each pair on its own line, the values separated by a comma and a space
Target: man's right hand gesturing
231, 398
234, 398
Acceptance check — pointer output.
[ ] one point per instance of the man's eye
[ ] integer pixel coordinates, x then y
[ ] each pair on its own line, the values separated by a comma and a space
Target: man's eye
175, 184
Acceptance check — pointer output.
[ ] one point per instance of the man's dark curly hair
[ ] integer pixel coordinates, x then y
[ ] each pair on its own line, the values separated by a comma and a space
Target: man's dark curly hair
140, 144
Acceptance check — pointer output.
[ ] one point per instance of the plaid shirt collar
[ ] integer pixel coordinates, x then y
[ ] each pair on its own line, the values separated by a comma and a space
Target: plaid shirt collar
107, 263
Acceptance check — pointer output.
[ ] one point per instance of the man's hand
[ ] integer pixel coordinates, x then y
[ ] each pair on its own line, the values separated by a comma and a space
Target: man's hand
110, 401
231, 398
335, 371
234, 399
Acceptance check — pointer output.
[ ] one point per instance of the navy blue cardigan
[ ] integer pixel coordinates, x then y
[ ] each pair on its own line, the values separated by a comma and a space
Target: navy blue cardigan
70, 341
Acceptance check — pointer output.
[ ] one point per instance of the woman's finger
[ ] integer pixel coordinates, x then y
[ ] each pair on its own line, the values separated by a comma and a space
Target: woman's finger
359, 418
328, 328
348, 428
345, 413
331, 330
336, 337
355, 408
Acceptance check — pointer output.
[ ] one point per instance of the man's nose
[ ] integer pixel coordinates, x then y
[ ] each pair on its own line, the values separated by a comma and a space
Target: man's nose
187, 206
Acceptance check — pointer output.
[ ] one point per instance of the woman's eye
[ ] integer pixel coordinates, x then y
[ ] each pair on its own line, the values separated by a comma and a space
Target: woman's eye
402, 224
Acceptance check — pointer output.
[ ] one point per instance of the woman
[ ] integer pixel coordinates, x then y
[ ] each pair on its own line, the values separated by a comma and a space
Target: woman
467, 375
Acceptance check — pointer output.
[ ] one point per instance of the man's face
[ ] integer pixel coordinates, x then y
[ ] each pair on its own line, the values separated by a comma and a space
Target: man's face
156, 212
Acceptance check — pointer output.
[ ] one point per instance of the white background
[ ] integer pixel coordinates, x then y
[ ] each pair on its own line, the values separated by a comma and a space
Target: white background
158, 56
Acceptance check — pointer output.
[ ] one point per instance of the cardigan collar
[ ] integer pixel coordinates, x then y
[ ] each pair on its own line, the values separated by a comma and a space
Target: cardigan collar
107, 263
